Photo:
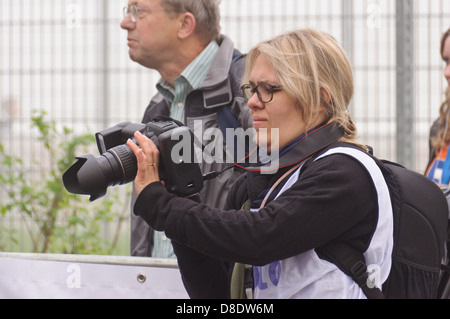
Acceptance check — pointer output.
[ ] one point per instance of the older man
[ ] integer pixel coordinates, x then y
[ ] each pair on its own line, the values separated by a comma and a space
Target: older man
199, 86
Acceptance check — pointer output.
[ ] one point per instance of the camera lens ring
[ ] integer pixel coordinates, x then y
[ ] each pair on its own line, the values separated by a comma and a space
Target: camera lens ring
113, 152
127, 161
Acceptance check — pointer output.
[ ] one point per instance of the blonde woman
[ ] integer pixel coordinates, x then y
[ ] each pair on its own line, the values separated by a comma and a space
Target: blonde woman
438, 168
281, 226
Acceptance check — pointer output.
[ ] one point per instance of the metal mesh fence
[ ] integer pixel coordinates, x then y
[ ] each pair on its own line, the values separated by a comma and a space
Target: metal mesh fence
70, 59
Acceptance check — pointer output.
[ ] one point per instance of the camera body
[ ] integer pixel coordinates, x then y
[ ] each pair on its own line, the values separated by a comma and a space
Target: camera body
117, 164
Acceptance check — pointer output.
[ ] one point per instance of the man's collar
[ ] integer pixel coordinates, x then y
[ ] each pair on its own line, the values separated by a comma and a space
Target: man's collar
194, 74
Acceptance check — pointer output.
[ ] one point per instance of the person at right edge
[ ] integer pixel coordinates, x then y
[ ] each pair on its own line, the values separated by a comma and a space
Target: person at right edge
283, 227
438, 167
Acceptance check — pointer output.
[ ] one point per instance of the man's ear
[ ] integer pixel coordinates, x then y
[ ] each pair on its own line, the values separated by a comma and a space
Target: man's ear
187, 24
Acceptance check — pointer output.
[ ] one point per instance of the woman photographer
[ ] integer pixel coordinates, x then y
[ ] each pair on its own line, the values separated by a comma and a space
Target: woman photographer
327, 195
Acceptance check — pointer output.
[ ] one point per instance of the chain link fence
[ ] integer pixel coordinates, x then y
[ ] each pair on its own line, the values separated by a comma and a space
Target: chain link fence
69, 58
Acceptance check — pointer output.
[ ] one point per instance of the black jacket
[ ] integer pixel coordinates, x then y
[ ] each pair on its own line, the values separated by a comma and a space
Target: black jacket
221, 88
334, 200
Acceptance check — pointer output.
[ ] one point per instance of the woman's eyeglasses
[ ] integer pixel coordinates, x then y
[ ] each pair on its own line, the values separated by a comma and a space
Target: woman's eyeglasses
264, 91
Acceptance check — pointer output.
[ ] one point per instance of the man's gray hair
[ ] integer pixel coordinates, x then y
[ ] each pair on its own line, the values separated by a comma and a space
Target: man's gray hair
206, 13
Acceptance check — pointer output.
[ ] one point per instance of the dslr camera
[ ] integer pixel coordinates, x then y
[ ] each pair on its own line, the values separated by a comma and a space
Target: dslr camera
117, 164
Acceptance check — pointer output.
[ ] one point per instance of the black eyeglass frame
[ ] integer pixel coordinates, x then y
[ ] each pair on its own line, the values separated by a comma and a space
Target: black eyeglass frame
248, 91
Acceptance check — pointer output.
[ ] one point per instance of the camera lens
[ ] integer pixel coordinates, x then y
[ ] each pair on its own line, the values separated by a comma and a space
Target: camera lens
124, 168
92, 176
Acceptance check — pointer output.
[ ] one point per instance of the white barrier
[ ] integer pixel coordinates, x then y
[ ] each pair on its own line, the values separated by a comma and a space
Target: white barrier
47, 276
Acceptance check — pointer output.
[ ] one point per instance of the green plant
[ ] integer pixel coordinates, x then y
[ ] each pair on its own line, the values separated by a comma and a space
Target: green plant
57, 221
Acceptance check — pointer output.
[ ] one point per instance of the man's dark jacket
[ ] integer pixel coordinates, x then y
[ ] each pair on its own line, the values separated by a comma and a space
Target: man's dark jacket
221, 88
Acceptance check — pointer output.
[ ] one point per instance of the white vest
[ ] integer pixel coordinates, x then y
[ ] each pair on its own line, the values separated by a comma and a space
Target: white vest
307, 276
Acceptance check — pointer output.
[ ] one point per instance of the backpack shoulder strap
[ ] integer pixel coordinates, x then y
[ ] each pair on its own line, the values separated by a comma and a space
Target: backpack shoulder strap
353, 264
224, 115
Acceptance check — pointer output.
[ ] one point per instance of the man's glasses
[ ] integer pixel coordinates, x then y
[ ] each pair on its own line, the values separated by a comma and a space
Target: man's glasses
264, 91
134, 11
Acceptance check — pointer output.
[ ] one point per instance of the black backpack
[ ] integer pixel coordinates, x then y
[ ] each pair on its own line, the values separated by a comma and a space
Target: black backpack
420, 257
421, 233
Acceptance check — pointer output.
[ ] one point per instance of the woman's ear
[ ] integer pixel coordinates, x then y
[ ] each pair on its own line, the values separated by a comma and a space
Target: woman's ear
187, 24
326, 95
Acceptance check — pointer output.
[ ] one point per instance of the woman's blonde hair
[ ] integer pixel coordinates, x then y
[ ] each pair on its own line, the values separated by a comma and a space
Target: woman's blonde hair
442, 137
314, 71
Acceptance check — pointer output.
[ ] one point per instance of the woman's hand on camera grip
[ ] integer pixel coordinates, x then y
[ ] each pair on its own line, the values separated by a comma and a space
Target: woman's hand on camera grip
147, 159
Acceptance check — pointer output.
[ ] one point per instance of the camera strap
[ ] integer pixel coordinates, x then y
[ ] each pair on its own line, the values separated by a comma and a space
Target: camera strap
313, 142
